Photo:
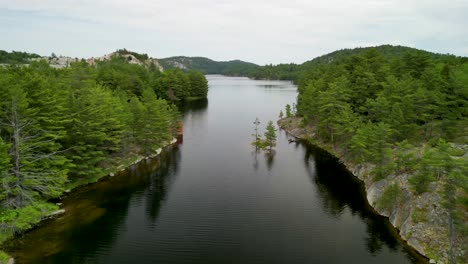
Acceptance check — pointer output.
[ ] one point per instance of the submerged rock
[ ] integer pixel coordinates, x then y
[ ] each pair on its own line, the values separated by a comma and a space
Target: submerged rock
56, 213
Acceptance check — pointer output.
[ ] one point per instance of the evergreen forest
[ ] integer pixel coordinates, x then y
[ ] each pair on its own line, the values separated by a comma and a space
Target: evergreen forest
404, 115
61, 128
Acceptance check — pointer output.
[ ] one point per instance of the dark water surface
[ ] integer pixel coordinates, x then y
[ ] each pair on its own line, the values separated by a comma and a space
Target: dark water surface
212, 199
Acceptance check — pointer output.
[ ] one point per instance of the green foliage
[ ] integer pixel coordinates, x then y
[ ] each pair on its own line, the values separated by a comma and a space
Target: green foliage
198, 84
16, 57
174, 85
16, 220
270, 135
207, 66
390, 196
420, 181
419, 215
141, 57
4, 257
259, 143
95, 131
288, 110
371, 143
405, 160
32, 128
399, 59
395, 108
63, 127
274, 72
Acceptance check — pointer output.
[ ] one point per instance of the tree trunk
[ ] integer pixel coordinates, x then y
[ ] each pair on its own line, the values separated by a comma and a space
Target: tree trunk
16, 150
451, 255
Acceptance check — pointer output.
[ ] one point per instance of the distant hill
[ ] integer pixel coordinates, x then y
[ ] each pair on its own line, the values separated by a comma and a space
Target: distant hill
386, 50
208, 66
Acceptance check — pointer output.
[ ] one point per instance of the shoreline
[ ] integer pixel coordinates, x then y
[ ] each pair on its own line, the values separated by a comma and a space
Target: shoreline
76, 188
427, 237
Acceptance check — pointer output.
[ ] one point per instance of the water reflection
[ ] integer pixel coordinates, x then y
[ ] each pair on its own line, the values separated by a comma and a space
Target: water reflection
350, 194
160, 181
255, 159
197, 107
270, 158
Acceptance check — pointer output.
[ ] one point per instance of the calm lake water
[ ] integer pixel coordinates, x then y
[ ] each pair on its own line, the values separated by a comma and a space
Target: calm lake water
213, 199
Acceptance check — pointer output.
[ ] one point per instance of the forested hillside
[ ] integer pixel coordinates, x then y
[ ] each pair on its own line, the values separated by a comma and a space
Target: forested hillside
207, 66
60, 128
404, 117
296, 72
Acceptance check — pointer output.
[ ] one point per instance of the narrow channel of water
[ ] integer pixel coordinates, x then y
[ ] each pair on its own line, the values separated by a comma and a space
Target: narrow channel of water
212, 199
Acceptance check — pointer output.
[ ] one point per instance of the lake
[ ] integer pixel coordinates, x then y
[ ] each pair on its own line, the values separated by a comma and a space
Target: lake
214, 199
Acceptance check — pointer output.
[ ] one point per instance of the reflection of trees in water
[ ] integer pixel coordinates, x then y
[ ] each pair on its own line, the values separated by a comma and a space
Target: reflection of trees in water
255, 161
270, 159
338, 189
96, 213
195, 107
160, 181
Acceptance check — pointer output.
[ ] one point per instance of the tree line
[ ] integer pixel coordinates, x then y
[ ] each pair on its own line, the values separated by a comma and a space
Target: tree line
60, 128
16, 57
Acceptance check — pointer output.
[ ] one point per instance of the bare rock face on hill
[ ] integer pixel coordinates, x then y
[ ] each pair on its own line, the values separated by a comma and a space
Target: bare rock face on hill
130, 57
57, 62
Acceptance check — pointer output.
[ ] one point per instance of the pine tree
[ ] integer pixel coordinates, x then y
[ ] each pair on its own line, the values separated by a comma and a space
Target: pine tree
198, 84
136, 122
258, 143
158, 121
288, 110
5, 165
270, 135
37, 168
95, 130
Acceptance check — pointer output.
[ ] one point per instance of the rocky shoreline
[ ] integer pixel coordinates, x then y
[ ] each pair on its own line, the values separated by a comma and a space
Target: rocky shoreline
421, 220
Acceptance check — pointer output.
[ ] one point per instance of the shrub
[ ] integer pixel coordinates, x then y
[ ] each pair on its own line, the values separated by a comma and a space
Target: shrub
16, 220
420, 182
419, 215
390, 196
4, 257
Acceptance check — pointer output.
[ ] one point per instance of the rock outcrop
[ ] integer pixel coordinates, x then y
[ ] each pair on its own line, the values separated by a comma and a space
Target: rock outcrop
63, 61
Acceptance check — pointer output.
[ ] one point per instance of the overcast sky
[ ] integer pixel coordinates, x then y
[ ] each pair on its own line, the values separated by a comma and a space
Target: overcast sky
260, 31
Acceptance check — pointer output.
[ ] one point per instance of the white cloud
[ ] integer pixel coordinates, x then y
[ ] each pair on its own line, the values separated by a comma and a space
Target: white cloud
261, 31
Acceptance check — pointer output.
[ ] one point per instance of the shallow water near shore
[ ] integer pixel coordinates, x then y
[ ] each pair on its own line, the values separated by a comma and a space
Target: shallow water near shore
214, 199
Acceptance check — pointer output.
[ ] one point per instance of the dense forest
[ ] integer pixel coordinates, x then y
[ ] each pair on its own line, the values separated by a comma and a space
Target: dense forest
60, 128
405, 115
